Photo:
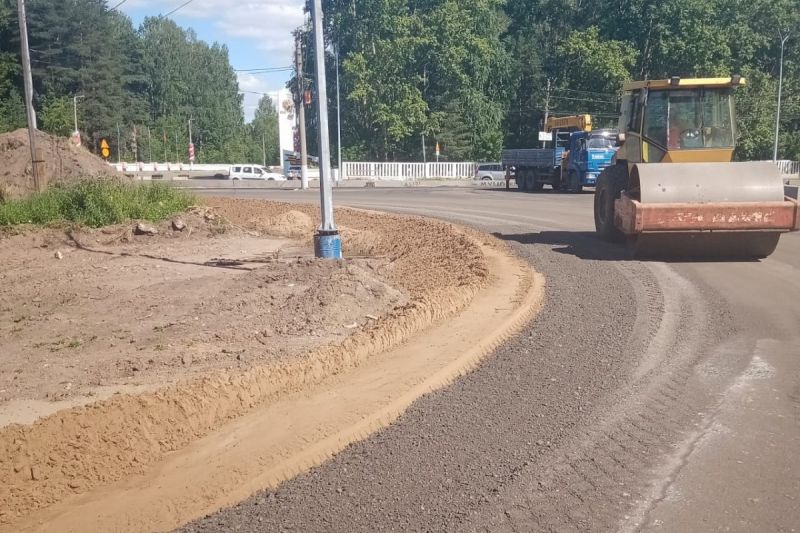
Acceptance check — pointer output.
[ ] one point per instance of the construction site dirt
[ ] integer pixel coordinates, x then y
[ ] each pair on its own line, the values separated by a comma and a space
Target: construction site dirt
120, 340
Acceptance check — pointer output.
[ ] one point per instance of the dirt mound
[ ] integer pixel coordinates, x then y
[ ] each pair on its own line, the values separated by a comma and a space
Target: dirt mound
361, 243
64, 162
293, 224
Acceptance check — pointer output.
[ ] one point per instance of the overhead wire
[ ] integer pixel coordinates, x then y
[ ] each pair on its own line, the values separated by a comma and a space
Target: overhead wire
177, 9
119, 4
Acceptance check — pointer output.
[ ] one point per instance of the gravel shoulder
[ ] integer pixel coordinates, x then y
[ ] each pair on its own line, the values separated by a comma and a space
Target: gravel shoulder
645, 396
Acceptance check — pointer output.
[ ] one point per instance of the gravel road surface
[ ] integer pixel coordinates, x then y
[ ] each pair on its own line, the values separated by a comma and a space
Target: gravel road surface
645, 396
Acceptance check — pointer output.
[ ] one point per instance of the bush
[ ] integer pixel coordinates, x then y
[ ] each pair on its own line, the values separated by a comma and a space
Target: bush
96, 203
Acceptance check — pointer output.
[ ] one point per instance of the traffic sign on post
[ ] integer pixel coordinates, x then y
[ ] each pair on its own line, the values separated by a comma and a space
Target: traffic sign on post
105, 149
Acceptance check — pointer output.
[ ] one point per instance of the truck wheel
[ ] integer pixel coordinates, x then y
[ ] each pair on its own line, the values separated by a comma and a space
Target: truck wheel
536, 185
574, 182
610, 185
520, 179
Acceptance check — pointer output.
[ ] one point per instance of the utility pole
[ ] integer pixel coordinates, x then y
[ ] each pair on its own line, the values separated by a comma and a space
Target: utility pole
339, 175
302, 114
119, 145
783, 39
327, 242
28, 80
191, 145
149, 144
546, 107
177, 148
75, 112
264, 148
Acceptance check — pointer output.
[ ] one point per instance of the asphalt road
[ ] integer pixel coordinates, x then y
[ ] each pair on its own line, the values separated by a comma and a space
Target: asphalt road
646, 396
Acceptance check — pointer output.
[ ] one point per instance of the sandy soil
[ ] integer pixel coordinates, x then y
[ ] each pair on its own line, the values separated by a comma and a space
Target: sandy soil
193, 305
63, 162
122, 312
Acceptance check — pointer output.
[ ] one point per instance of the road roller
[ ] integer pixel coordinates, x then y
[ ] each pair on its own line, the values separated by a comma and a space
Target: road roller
674, 191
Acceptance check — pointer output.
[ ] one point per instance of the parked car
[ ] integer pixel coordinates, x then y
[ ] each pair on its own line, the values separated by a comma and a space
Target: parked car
489, 172
294, 173
254, 172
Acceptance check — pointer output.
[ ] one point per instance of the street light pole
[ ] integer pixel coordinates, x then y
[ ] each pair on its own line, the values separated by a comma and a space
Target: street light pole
27, 78
338, 118
327, 242
780, 89
302, 114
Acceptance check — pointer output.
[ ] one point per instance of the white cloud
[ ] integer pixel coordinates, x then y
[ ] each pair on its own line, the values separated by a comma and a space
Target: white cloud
253, 88
269, 23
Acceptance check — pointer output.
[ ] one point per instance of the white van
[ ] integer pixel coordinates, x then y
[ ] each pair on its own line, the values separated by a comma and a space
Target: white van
253, 172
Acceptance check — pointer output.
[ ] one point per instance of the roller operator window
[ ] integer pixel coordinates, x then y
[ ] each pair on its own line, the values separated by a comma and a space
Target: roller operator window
690, 118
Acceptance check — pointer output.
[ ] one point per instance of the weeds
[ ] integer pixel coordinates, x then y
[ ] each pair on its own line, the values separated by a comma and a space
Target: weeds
96, 204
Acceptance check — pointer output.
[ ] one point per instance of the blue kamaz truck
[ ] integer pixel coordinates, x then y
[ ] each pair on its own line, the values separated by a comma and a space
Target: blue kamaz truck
575, 158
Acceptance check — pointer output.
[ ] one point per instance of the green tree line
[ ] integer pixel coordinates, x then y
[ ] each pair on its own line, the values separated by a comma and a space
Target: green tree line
477, 75
471, 75
149, 82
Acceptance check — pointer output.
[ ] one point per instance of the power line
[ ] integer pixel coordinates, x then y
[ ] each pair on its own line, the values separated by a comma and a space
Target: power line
585, 99
119, 4
177, 8
266, 70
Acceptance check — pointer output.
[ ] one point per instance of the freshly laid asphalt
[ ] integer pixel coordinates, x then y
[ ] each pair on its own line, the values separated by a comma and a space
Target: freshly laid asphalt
645, 396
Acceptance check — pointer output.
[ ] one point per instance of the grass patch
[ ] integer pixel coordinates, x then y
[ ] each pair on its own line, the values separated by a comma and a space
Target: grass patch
96, 204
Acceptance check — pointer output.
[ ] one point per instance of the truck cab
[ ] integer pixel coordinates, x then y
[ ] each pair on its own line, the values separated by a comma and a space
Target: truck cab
589, 154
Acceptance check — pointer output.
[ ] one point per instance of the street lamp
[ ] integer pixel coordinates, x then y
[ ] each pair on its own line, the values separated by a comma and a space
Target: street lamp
327, 242
339, 175
783, 39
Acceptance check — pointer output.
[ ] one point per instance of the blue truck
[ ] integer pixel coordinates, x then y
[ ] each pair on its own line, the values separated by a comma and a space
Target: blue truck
576, 157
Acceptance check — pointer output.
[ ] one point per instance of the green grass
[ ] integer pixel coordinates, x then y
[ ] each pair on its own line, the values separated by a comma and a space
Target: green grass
96, 204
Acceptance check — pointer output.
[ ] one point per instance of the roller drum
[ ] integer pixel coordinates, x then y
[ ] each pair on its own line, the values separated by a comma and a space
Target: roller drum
665, 183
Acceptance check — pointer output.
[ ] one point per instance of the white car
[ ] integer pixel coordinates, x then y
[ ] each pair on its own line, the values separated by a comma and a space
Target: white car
489, 172
254, 172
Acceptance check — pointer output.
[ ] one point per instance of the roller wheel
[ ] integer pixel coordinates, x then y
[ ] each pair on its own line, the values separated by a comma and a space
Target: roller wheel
610, 185
705, 246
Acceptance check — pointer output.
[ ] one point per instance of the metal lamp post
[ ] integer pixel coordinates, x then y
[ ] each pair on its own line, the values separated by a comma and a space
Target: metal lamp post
327, 242
783, 39
338, 118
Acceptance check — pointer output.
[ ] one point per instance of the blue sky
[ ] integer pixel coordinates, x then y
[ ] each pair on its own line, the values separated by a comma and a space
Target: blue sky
257, 33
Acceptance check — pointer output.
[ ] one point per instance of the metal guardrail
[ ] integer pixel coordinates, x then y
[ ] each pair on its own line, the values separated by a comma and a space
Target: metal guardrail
789, 168
407, 171
169, 167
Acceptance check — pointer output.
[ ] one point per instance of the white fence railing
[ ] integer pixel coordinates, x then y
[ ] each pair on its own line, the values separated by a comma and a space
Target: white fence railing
407, 171
789, 168
169, 167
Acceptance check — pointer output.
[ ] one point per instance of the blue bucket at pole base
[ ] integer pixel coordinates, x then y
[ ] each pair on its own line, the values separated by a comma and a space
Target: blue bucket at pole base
328, 246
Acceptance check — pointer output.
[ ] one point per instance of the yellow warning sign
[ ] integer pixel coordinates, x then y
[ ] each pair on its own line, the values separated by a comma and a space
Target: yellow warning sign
105, 149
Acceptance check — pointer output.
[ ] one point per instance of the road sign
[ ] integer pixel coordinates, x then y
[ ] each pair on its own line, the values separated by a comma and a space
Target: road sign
105, 149
437, 149
545, 136
191, 152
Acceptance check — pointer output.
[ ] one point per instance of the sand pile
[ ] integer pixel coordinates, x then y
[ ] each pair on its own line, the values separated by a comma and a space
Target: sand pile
64, 162
292, 224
